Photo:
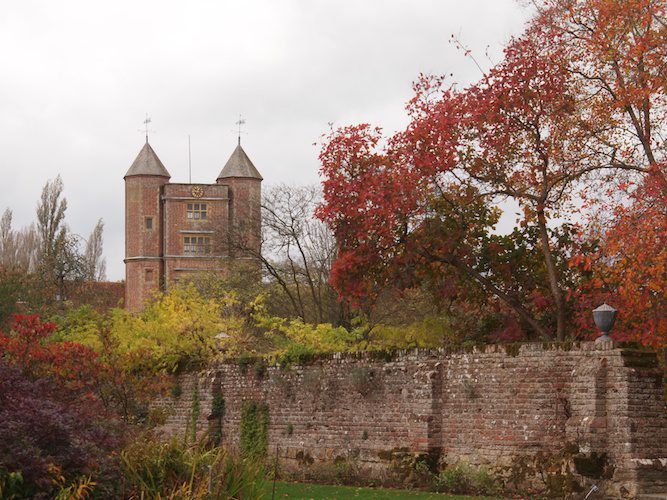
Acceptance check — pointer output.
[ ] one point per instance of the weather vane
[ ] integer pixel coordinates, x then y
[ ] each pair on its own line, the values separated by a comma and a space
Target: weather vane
145, 130
240, 123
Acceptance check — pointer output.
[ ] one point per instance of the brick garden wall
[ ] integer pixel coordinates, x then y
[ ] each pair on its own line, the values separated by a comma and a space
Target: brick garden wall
600, 407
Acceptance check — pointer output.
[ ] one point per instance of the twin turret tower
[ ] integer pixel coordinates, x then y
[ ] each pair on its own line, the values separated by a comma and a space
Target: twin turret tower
175, 230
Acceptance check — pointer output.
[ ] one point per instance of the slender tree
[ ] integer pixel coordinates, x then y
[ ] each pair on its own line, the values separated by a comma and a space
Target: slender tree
6, 239
19, 250
94, 262
51, 218
60, 259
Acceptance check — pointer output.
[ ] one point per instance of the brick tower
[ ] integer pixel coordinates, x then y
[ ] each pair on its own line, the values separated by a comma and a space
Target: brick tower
173, 230
245, 192
144, 265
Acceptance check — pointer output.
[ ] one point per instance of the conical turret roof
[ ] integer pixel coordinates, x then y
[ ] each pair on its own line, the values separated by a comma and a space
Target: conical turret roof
239, 165
147, 163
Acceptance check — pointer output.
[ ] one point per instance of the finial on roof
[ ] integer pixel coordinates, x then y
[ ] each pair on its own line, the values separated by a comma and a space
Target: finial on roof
240, 123
146, 130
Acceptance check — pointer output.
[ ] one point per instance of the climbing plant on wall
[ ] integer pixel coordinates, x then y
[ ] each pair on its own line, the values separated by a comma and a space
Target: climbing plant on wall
254, 433
195, 409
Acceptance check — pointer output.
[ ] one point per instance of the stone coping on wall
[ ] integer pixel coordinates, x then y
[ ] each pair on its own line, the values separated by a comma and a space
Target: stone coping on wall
510, 349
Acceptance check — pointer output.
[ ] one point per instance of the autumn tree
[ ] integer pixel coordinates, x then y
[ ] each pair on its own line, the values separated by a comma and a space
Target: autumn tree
617, 52
530, 130
624, 259
19, 252
6, 238
10, 292
58, 260
51, 219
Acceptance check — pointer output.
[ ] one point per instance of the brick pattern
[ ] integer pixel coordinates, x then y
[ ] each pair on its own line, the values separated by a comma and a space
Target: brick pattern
143, 247
481, 407
155, 257
177, 225
245, 214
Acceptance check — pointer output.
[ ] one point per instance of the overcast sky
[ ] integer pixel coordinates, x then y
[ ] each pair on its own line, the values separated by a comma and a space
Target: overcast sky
78, 77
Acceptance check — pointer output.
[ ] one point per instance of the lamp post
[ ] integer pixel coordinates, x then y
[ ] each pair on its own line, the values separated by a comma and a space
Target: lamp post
604, 317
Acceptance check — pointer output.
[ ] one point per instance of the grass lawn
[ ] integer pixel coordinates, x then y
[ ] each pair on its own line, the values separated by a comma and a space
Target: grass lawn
320, 491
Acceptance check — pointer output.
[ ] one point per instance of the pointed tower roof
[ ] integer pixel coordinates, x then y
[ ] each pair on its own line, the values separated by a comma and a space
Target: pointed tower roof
147, 163
239, 165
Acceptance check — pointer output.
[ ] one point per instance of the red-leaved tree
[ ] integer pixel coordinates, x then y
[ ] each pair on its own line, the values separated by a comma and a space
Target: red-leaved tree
549, 122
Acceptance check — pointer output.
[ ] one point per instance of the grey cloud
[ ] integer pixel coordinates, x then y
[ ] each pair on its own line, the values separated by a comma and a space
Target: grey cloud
80, 75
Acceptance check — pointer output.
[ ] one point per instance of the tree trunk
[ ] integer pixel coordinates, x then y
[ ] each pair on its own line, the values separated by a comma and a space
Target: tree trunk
509, 301
556, 292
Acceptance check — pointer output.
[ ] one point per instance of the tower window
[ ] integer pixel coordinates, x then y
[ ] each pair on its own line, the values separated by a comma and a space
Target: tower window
197, 211
149, 275
149, 223
196, 245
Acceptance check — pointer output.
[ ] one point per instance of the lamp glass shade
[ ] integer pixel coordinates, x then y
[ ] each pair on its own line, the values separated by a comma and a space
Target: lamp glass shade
604, 317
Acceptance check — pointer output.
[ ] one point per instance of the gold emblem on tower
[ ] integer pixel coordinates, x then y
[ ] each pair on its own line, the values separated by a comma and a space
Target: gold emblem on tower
197, 191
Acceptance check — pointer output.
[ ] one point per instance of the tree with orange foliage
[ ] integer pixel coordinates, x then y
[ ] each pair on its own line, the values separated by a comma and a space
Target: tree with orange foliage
628, 267
618, 52
535, 129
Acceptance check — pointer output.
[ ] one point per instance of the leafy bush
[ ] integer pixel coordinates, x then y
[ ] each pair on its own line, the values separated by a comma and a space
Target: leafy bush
318, 337
464, 479
153, 469
55, 429
81, 325
342, 470
431, 331
175, 331
49, 436
296, 354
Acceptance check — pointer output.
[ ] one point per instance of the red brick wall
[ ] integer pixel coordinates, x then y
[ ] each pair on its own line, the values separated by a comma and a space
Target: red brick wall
101, 295
163, 261
215, 227
245, 211
484, 408
142, 199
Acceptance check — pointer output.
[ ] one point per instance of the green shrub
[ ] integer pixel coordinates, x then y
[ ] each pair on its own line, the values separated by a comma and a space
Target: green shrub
451, 481
296, 354
260, 369
464, 479
346, 470
152, 469
11, 484
195, 409
243, 362
343, 470
176, 390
